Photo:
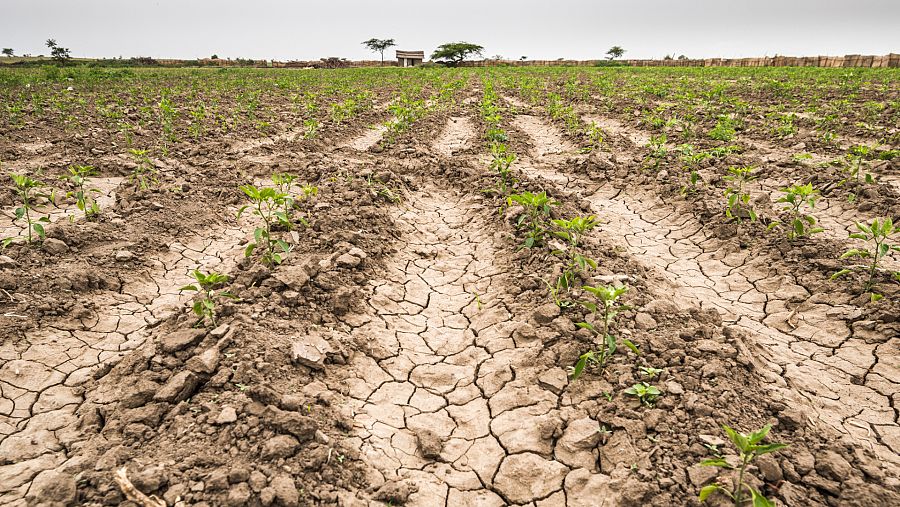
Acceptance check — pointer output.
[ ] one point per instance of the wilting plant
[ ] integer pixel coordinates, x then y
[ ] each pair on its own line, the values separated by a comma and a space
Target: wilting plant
27, 188
207, 285
78, 175
795, 198
605, 308
878, 234
268, 204
534, 220
749, 447
737, 197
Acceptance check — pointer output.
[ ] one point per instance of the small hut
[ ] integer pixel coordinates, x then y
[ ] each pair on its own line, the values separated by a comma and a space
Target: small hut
410, 58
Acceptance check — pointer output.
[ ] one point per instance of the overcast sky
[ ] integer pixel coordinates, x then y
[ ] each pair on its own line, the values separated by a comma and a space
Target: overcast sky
579, 29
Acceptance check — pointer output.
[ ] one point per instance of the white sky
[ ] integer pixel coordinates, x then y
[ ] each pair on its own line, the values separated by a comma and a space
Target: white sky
579, 29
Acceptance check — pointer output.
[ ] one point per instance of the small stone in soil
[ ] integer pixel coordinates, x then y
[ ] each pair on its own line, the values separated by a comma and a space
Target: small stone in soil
7, 262
124, 256
228, 415
54, 246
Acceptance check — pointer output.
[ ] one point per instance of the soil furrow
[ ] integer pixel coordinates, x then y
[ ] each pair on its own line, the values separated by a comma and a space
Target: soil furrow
42, 377
805, 340
436, 402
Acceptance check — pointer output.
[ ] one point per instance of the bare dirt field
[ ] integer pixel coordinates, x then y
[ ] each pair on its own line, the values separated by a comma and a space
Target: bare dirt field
460, 287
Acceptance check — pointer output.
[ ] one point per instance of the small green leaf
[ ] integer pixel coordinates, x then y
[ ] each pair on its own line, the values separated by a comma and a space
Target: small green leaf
707, 490
758, 499
628, 343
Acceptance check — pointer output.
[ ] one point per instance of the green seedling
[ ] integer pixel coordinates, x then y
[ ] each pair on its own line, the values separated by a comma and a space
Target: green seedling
144, 174
795, 198
749, 447
27, 188
690, 160
737, 206
595, 138
501, 161
857, 164
383, 190
644, 392
557, 289
650, 372
207, 285
724, 129
537, 210
878, 234
310, 128
268, 204
78, 175
604, 310
658, 151
573, 231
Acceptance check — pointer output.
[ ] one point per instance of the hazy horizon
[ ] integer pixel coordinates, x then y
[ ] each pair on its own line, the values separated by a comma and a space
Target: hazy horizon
574, 29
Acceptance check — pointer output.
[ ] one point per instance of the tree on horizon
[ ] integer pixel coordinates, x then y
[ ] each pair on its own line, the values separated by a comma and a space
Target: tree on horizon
379, 46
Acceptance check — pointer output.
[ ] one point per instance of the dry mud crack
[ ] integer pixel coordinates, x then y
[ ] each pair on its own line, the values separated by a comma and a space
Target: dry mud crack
444, 396
42, 376
812, 355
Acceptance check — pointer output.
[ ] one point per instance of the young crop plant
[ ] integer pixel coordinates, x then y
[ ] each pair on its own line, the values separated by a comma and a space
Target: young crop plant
573, 231
207, 286
646, 393
534, 220
857, 164
650, 372
78, 175
28, 190
595, 138
604, 310
268, 204
284, 185
384, 191
690, 159
658, 151
556, 291
785, 127
879, 234
310, 128
144, 174
501, 161
737, 205
795, 198
749, 447
724, 129
167, 114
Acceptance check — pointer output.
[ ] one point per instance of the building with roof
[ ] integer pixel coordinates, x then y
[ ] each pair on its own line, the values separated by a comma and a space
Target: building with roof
410, 58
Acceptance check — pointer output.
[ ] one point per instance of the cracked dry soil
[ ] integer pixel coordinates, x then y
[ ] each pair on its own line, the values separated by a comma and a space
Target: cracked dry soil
445, 397
405, 353
818, 350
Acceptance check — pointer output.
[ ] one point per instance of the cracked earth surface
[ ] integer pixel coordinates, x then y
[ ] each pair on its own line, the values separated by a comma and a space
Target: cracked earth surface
825, 352
42, 376
445, 397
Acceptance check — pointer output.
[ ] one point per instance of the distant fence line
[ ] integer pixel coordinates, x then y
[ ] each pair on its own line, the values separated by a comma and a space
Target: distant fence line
882, 61
866, 61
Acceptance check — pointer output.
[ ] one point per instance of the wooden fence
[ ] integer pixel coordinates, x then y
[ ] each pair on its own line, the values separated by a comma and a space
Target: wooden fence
883, 61
892, 60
